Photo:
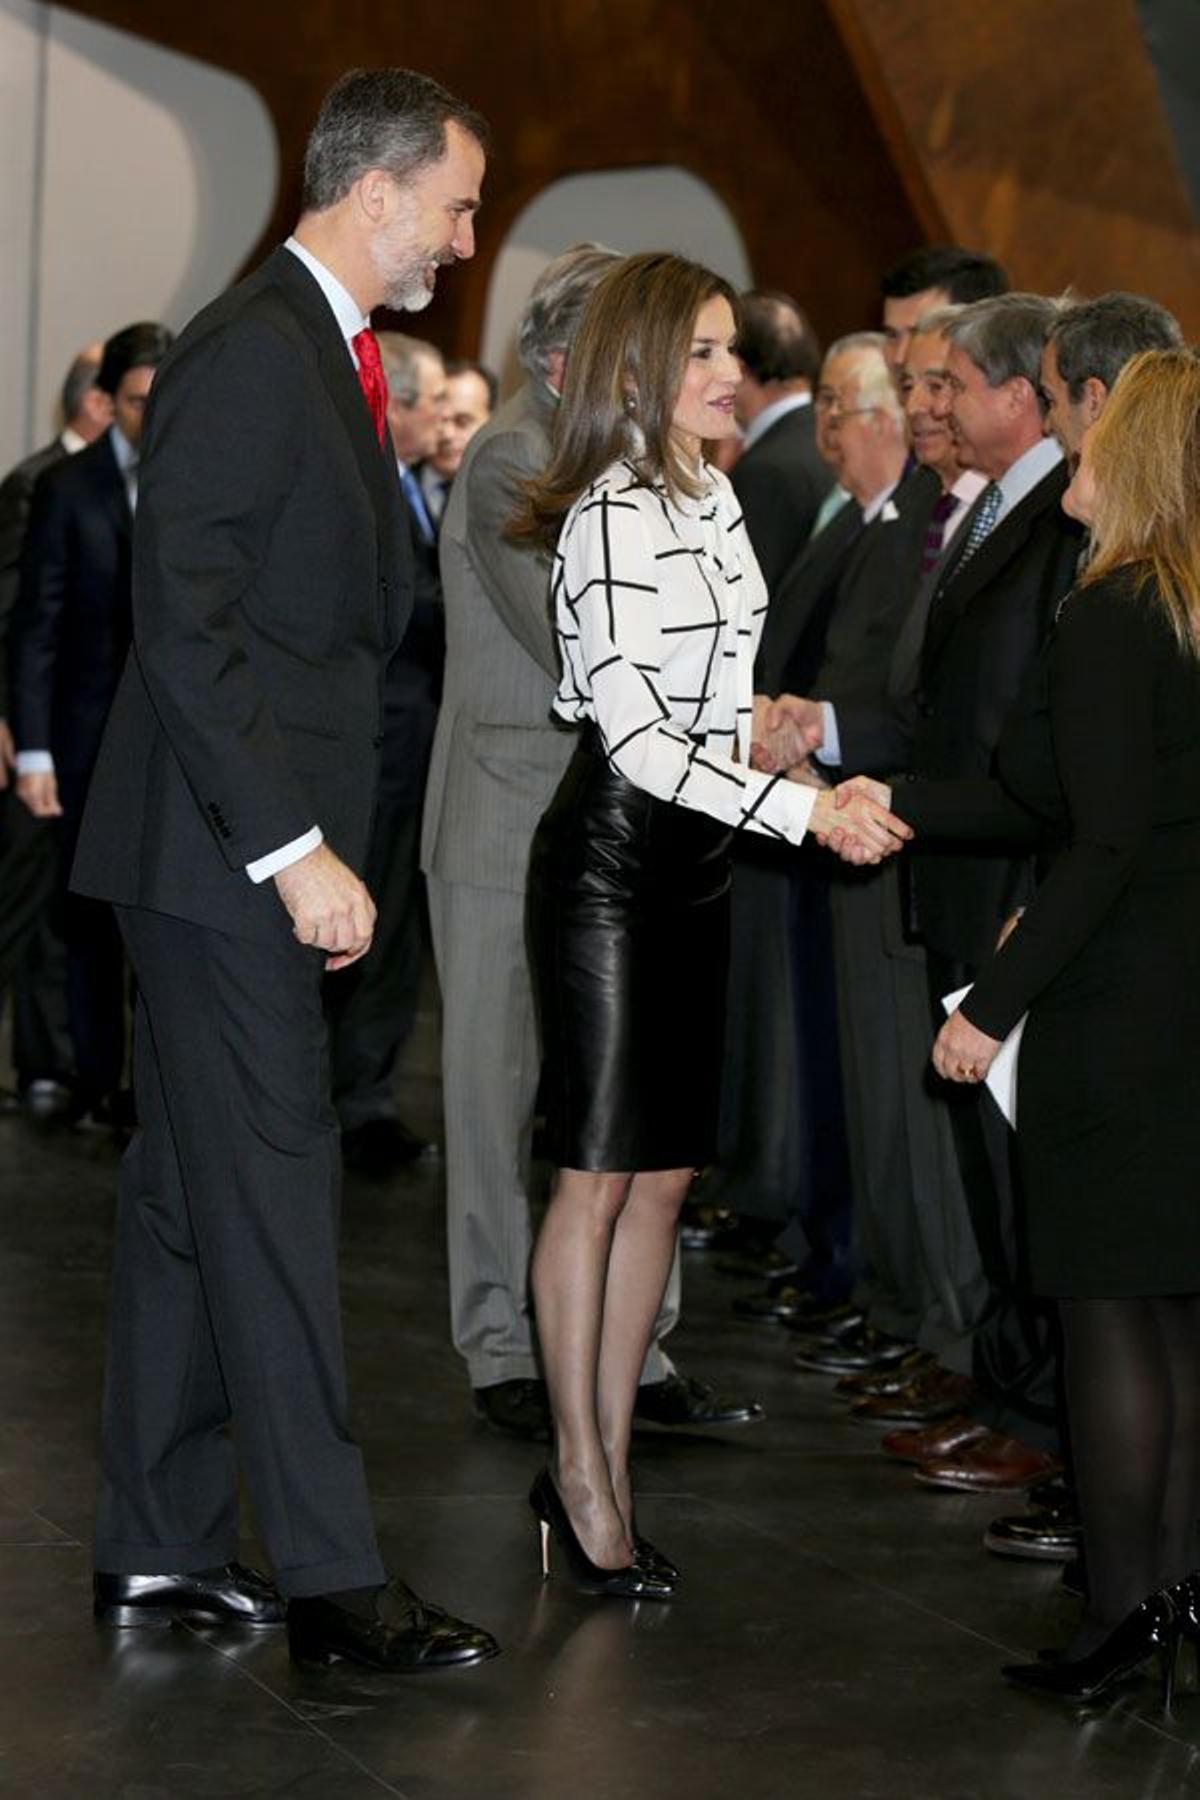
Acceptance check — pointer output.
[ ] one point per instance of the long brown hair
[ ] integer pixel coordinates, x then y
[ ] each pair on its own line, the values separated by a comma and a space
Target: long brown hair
1144, 452
625, 369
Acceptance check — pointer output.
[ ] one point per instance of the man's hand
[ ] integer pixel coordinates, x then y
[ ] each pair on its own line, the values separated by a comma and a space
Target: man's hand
329, 906
962, 1052
40, 794
856, 826
784, 732
8, 754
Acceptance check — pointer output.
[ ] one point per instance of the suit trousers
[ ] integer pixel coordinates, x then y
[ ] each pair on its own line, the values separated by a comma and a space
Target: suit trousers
921, 1274
491, 1066
226, 1326
1015, 1354
32, 953
373, 1005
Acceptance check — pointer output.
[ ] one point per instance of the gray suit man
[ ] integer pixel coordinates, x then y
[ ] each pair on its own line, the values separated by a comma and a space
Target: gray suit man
497, 760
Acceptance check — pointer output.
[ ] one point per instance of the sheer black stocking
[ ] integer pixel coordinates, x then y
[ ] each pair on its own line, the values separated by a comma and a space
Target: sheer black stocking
1132, 1370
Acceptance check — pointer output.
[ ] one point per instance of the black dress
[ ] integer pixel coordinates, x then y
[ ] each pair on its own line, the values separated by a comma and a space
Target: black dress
1107, 957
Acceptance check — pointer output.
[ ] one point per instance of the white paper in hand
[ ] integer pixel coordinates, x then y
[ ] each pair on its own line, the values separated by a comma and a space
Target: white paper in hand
1001, 1078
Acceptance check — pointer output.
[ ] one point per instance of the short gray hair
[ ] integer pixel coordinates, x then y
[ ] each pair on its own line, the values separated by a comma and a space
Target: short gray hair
937, 321
1004, 337
402, 357
1098, 337
391, 119
872, 377
79, 378
556, 303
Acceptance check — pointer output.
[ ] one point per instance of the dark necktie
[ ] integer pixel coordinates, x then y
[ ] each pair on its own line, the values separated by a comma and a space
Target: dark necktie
980, 525
935, 532
417, 506
371, 378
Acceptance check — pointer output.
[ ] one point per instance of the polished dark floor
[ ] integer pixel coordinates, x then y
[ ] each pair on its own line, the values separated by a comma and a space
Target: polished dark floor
839, 1634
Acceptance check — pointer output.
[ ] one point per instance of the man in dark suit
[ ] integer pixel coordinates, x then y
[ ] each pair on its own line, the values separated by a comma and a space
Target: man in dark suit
960, 659
32, 954
230, 812
70, 637
372, 1008
780, 477
782, 1157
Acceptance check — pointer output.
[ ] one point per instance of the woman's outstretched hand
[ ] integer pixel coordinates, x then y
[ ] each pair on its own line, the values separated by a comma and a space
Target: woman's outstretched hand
854, 821
962, 1052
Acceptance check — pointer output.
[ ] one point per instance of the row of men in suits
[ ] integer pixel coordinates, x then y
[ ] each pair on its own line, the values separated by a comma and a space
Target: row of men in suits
68, 517
66, 614
902, 634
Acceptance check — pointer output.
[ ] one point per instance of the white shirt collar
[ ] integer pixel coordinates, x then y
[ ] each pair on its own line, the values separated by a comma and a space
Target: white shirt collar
71, 440
769, 415
122, 449
345, 308
1021, 477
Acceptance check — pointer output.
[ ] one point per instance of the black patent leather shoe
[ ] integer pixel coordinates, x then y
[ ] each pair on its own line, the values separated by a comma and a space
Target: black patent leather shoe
233, 1595
517, 1408
857, 1351
653, 1561
636, 1581
1150, 1632
682, 1400
401, 1634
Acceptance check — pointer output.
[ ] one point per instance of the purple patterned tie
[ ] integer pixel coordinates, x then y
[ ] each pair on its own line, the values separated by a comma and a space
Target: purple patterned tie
935, 533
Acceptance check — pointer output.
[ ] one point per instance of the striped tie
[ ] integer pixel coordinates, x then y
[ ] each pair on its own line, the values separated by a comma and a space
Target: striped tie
981, 524
935, 532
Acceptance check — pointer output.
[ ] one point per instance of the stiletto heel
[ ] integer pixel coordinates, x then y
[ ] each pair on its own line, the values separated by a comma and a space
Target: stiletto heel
1151, 1632
634, 1582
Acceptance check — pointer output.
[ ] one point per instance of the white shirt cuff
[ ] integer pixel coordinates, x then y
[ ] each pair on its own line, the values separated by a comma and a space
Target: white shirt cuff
34, 762
264, 867
831, 746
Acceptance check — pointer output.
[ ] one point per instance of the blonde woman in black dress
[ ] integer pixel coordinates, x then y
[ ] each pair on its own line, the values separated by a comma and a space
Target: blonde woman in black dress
659, 605
1106, 959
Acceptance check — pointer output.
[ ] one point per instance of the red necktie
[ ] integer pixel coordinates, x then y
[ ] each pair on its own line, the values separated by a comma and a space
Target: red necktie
371, 378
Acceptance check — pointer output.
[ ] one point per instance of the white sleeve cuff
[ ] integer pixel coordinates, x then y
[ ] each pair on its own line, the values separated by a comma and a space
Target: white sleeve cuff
831, 744
34, 762
265, 866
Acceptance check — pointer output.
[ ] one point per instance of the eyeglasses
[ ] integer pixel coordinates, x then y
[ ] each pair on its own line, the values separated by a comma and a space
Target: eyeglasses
832, 407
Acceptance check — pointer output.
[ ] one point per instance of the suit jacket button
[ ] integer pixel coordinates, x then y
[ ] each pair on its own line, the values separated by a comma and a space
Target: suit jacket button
377, 740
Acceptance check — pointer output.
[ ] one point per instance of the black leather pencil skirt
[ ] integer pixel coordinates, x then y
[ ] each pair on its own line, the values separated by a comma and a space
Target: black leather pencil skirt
629, 929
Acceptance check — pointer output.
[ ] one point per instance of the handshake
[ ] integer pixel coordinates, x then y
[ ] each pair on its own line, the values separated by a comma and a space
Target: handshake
853, 819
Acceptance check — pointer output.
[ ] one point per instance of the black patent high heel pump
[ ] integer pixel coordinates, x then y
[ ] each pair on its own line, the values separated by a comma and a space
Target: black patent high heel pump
634, 1582
1152, 1630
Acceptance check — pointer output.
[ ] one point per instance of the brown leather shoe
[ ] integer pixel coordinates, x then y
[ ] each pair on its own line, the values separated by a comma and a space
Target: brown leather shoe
934, 1394
993, 1464
935, 1442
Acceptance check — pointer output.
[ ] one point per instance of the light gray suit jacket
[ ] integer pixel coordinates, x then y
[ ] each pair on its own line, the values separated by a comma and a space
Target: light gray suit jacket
497, 755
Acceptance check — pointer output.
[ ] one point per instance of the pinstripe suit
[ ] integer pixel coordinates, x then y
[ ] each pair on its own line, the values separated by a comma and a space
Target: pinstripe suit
497, 760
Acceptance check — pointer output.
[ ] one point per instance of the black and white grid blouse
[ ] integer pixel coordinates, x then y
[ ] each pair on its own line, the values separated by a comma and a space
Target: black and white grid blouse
659, 608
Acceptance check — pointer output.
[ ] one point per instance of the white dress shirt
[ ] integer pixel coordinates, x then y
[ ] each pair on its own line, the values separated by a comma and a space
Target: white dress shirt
659, 608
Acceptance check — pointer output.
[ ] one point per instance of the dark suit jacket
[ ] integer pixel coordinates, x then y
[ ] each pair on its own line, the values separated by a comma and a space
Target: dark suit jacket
16, 498
272, 578
800, 606
875, 592
71, 628
781, 482
986, 624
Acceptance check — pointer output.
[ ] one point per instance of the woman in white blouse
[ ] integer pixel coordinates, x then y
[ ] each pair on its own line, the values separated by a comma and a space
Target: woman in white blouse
659, 605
